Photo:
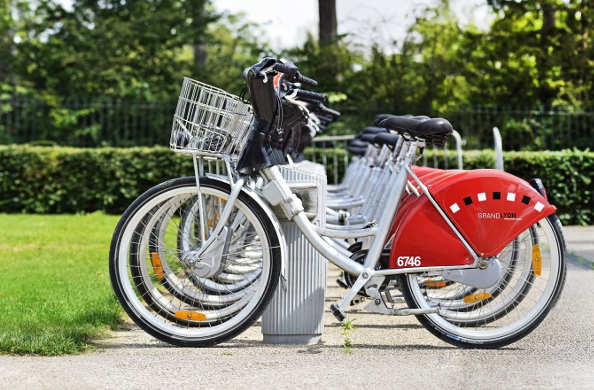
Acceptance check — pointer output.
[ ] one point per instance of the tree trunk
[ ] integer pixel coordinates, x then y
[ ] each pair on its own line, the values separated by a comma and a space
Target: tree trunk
199, 55
200, 20
327, 21
546, 93
6, 42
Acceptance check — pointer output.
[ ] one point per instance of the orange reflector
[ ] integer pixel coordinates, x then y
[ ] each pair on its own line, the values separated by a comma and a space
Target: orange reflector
190, 315
434, 283
472, 298
157, 266
536, 260
212, 222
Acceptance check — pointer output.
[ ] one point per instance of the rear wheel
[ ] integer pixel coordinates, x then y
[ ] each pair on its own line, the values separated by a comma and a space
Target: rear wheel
164, 293
519, 304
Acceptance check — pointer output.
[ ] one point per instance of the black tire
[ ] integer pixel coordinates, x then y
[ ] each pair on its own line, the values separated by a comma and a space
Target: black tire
463, 342
270, 283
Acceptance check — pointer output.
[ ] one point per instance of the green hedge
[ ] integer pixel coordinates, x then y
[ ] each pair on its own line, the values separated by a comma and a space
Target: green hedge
67, 180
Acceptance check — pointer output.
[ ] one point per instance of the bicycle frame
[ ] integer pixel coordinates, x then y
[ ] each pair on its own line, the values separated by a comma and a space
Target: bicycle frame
276, 191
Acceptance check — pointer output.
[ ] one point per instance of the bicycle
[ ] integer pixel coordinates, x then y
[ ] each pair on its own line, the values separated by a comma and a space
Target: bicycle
472, 216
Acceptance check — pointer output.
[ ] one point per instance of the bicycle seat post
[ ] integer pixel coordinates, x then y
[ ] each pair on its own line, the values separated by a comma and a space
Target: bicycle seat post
405, 155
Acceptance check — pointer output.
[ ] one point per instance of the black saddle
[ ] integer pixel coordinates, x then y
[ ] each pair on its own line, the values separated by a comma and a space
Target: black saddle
386, 139
358, 143
379, 118
357, 150
379, 138
367, 137
373, 130
433, 130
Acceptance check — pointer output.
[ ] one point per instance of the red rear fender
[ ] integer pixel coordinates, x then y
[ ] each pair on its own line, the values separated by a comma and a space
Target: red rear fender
489, 208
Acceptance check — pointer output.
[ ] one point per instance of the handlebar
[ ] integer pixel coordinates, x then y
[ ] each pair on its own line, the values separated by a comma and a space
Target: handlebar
329, 111
324, 119
307, 81
310, 96
321, 110
293, 74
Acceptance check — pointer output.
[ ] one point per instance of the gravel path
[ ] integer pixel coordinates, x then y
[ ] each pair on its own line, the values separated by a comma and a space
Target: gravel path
390, 352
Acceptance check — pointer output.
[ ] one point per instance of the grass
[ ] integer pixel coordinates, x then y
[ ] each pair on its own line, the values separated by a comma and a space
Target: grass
56, 295
347, 327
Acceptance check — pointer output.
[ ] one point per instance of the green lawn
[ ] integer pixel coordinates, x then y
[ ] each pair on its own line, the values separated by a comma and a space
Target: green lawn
55, 295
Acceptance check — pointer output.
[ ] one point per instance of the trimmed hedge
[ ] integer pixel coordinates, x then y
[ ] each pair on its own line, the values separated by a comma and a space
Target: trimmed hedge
67, 180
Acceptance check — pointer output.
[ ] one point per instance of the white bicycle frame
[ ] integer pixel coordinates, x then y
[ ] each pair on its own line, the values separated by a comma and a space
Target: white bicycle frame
277, 192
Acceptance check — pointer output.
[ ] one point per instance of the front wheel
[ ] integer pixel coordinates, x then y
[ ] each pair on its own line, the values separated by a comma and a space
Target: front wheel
156, 284
517, 307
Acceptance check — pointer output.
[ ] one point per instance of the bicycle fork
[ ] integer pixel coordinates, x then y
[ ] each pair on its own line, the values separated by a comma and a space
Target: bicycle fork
211, 249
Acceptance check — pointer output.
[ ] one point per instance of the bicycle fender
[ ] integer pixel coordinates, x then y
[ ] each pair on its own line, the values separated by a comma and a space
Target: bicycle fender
489, 208
278, 230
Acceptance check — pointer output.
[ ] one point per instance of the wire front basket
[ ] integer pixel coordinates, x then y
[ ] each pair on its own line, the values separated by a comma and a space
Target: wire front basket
209, 121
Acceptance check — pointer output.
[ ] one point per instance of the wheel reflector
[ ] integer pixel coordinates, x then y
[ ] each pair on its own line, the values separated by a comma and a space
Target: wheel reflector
536, 260
190, 315
212, 222
157, 266
434, 283
476, 297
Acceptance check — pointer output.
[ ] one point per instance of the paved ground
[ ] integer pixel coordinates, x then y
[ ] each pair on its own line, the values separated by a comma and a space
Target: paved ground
387, 352
580, 243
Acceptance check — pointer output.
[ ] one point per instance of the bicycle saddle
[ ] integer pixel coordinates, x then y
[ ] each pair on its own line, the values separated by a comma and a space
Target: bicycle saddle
357, 143
379, 118
373, 130
367, 137
357, 150
386, 139
433, 130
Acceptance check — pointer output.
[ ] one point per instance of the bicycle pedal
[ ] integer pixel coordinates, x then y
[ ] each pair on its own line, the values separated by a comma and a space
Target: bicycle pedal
341, 282
337, 312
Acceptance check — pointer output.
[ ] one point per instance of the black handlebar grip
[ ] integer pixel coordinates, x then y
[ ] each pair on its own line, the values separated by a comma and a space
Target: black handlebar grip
324, 118
310, 95
307, 81
290, 71
293, 74
329, 111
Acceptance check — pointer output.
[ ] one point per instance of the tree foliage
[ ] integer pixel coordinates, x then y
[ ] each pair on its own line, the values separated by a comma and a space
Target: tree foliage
110, 48
535, 53
542, 49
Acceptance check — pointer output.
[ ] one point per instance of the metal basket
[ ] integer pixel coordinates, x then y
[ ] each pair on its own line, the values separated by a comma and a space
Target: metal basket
209, 121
